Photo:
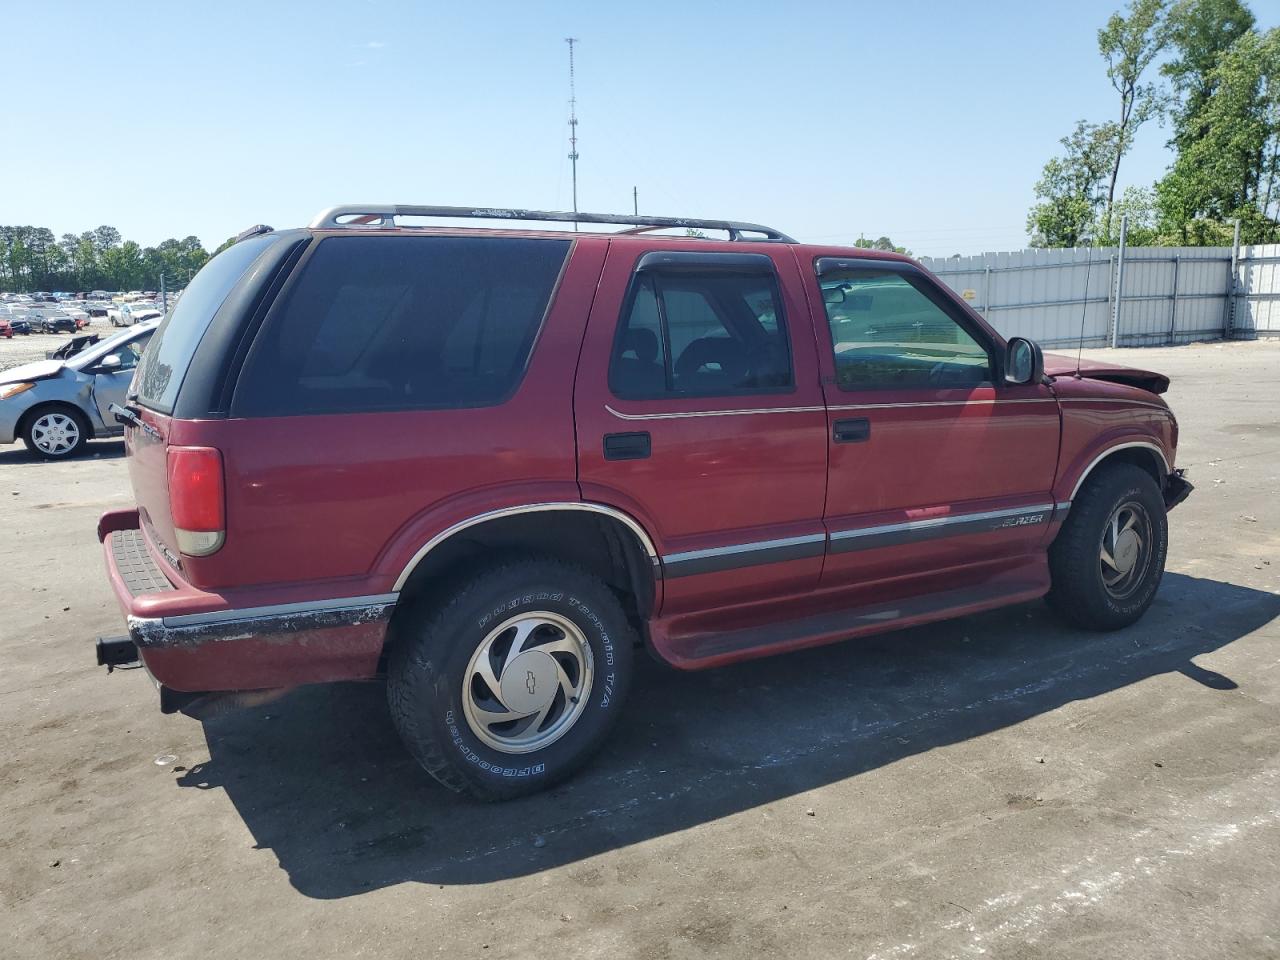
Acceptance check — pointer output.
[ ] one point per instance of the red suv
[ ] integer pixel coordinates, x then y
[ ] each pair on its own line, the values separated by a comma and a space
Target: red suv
488, 464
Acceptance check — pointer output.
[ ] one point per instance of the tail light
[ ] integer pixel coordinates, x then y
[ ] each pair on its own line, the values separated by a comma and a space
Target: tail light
197, 498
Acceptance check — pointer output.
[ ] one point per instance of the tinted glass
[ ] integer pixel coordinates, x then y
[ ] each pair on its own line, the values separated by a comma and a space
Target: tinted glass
165, 363
401, 323
684, 333
888, 334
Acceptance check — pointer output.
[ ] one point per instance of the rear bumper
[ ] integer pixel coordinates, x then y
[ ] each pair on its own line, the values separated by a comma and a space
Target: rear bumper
193, 641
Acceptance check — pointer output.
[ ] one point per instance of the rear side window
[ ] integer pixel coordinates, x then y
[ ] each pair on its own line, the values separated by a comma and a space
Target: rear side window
402, 323
166, 361
714, 333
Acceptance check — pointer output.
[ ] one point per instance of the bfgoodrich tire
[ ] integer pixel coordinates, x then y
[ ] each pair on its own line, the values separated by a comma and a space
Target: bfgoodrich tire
513, 682
1108, 558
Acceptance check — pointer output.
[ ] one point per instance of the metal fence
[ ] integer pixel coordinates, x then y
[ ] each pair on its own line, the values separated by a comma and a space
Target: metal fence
1141, 296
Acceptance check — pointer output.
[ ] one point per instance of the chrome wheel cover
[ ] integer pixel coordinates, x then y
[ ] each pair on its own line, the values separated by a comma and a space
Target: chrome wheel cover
55, 434
528, 682
1125, 553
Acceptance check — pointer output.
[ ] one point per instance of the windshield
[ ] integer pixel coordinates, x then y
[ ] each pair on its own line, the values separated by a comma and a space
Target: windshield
91, 355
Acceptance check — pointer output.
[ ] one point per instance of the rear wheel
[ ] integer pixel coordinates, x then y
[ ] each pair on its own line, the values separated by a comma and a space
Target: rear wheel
1109, 557
55, 432
515, 681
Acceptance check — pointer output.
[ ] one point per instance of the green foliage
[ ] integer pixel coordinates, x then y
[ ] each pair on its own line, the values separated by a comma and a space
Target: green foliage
1070, 190
1199, 33
1129, 45
31, 259
881, 243
1224, 102
1228, 170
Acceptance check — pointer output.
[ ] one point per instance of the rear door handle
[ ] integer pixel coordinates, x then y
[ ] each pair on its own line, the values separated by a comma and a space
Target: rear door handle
855, 430
626, 446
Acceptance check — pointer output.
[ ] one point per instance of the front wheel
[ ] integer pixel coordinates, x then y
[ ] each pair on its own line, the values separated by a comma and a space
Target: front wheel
56, 433
513, 683
1108, 558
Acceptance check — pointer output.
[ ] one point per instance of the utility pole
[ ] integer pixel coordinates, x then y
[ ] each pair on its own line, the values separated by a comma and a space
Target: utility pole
635, 201
573, 127
1115, 309
164, 300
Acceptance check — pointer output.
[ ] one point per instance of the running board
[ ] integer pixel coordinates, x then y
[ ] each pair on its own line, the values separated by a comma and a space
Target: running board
708, 650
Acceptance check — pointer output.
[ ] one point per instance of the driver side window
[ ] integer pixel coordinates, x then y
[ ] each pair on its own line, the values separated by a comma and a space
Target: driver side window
129, 353
888, 334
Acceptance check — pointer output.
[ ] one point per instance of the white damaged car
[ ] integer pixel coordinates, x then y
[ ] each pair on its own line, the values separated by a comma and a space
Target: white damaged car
57, 405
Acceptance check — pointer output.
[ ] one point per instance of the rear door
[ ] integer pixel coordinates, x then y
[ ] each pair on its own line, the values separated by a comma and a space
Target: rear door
935, 464
699, 412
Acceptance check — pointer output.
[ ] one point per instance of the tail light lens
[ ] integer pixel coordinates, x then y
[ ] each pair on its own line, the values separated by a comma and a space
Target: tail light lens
197, 499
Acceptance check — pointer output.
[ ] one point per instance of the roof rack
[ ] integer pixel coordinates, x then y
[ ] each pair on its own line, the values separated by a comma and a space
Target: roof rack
384, 214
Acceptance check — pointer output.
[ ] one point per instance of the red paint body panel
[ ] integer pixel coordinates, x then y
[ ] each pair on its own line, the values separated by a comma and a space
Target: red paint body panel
338, 506
715, 480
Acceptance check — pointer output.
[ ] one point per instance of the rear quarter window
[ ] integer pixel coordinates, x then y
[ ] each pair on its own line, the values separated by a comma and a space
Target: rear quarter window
168, 357
402, 323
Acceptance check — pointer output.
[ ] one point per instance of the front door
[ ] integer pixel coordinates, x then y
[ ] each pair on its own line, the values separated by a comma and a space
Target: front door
111, 384
699, 412
936, 465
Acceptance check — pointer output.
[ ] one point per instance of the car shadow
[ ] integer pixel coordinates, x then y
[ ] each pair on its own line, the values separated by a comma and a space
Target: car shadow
321, 779
94, 450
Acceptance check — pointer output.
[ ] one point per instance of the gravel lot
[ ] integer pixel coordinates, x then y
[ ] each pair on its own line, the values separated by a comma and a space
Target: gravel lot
1000, 785
34, 346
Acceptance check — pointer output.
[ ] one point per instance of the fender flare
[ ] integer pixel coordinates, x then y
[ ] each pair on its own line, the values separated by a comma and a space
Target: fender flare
1104, 454
641, 535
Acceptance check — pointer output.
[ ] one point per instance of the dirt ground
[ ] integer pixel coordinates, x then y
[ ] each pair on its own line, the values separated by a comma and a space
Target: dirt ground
1000, 785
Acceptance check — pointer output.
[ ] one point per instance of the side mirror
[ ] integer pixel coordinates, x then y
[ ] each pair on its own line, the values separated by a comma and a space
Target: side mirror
1024, 362
109, 363
833, 295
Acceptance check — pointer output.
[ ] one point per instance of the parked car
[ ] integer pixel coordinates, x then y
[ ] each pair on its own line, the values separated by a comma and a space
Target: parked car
57, 323
54, 406
21, 325
126, 314
489, 464
6, 329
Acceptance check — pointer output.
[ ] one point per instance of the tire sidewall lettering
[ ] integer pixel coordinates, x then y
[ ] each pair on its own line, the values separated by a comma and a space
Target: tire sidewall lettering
604, 690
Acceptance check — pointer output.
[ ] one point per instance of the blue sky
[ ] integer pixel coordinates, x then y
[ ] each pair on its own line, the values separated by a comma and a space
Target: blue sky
925, 121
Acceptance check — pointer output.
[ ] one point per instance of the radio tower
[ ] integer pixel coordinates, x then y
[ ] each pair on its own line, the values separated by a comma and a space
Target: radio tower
573, 128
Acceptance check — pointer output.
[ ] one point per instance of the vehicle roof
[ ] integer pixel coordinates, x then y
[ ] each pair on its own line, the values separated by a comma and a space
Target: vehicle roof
647, 240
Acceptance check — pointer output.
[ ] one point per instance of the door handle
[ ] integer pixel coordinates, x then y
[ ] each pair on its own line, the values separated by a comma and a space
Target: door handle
626, 446
855, 430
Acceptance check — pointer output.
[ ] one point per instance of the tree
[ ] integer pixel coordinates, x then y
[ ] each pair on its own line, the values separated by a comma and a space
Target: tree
32, 259
1229, 170
883, 243
1199, 33
1129, 45
1070, 187
1139, 205
106, 238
